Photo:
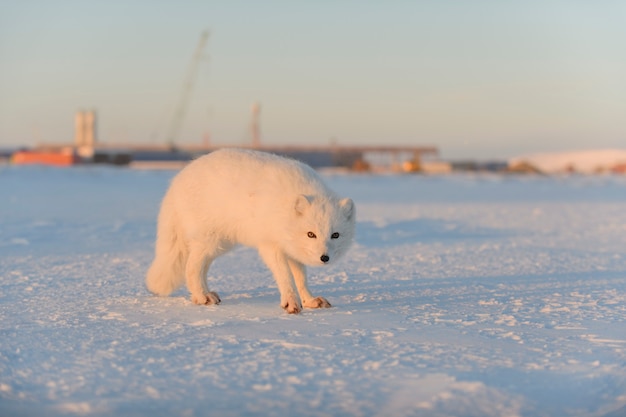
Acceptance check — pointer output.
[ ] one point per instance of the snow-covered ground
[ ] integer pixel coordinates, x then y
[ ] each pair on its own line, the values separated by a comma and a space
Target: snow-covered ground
589, 161
462, 296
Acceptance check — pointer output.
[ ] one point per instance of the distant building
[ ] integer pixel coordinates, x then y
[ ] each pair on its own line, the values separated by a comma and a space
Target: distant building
436, 167
523, 167
619, 169
479, 166
5, 155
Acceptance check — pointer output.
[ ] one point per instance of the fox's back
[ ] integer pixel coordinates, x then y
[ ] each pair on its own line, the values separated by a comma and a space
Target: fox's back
234, 189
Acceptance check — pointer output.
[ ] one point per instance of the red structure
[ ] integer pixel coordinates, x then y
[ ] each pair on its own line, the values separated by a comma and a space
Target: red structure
55, 158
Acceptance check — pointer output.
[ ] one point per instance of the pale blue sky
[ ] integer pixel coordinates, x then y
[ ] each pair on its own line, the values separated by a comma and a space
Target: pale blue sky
478, 79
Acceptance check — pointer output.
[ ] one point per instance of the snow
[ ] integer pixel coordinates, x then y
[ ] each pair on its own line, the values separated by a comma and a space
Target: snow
588, 161
462, 296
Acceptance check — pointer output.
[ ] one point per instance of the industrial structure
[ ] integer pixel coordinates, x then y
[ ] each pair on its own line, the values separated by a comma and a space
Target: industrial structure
87, 148
183, 101
356, 158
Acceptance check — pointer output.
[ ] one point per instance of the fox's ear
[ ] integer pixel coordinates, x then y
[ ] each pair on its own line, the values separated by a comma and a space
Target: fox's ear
347, 207
302, 204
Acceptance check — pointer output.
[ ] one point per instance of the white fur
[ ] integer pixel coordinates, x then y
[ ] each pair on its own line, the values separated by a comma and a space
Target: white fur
234, 196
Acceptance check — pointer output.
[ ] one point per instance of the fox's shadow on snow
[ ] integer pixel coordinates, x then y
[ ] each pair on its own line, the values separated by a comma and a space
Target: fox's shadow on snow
370, 234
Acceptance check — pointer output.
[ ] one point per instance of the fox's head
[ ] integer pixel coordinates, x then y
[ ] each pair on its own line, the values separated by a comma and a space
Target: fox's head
321, 230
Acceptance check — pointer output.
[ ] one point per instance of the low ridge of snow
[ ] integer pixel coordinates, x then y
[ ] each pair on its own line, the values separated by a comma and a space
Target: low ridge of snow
587, 162
462, 296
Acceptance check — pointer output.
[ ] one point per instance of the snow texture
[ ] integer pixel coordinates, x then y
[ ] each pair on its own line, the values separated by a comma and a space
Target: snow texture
462, 296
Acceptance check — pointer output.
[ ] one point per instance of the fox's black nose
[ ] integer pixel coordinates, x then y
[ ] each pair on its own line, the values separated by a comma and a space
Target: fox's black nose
325, 258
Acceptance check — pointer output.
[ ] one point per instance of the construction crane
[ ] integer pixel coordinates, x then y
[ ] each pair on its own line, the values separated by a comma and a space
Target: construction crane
183, 100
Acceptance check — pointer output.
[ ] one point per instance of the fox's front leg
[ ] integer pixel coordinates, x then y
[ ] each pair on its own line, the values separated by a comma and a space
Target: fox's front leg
277, 262
299, 275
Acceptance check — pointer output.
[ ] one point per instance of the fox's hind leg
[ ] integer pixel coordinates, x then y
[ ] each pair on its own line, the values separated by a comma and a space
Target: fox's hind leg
298, 271
200, 257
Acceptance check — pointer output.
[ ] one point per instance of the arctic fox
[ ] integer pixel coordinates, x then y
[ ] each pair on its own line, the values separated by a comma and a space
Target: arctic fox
234, 196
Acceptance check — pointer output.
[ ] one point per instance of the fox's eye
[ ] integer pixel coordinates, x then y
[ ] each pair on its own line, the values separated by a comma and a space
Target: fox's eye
311, 235
334, 236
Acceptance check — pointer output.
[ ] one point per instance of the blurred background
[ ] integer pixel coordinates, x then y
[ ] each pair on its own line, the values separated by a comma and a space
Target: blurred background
473, 81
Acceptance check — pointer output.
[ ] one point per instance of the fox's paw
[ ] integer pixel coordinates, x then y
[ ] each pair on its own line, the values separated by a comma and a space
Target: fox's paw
208, 298
291, 305
317, 302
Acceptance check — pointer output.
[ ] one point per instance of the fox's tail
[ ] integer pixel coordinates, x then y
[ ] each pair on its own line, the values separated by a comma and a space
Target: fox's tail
167, 271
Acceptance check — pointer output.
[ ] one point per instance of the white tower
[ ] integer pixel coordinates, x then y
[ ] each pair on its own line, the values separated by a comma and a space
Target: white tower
85, 133
85, 128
